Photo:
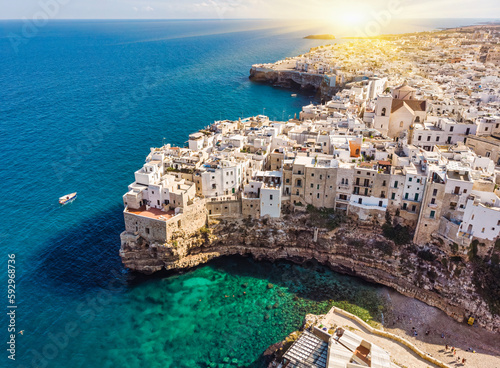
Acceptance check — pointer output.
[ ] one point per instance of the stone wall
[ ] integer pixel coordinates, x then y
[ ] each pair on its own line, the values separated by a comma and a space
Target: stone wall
224, 208
250, 207
150, 229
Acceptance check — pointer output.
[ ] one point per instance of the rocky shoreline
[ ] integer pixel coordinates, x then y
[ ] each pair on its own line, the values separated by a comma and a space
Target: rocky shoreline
353, 249
294, 80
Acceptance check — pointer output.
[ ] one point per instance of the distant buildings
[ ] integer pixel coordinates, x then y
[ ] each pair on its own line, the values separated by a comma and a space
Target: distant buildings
415, 133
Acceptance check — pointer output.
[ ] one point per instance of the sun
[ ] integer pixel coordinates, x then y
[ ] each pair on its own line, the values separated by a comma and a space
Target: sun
352, 18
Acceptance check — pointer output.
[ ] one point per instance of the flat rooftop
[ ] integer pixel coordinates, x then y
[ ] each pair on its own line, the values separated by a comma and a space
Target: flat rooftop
153, 213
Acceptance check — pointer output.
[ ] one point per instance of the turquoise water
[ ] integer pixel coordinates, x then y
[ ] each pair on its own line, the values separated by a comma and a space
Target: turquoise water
81, 103
229, 311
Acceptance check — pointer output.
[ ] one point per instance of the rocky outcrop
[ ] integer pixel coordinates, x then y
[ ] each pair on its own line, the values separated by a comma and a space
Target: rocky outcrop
429, 274
295, 80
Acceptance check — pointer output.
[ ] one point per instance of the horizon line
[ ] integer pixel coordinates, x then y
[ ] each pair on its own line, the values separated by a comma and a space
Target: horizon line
226, 19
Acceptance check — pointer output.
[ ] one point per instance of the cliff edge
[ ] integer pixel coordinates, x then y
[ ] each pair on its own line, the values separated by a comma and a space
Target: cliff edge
431, 274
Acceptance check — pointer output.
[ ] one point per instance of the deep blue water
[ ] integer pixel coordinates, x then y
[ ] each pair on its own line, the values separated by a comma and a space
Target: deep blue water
81, 103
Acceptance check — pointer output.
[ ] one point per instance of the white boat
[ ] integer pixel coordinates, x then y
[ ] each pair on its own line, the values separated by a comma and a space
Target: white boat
294, 95
68, 198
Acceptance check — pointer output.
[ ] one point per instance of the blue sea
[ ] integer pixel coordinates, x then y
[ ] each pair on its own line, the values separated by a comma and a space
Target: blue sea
81, 103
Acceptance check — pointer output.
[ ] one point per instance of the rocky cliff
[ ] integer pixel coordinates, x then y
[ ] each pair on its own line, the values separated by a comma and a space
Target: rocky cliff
430, 274
295, 80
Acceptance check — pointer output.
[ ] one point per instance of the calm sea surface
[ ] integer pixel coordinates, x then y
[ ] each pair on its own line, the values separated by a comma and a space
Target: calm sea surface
81, 103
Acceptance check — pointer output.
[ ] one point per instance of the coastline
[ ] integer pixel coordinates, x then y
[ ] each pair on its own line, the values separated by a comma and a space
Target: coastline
407, 350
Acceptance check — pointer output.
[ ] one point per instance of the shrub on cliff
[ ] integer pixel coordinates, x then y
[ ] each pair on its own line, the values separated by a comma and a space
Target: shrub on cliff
399, 234
384, 247
327, 218
427, 255
486, 278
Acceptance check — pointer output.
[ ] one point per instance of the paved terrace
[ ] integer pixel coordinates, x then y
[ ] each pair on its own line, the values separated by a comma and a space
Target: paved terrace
153, 213
400, 354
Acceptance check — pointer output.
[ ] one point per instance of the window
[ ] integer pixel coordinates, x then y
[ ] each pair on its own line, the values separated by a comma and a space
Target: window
342, 180
380, 203
434, 192
465, 191
416, 196
312, 185
287, 181
312, 174
451, 129
406, 195
214, 186
433, 214
393, 196
360, 200
321, 177
383, 183
433, 201
410, 179
419, 138
404, 206
413, 208
418, 180
270, 197
486, 129
147, 230
317, 187
383, 111
437, 139
396, 184
482, 230
401, 124
488, 153
428, 138
317, 195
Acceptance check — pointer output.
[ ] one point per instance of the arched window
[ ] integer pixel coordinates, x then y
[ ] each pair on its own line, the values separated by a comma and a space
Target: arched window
417, 119
383, 111
401, 124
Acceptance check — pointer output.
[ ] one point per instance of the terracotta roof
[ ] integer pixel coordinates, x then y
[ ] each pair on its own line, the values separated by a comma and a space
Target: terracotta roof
415, 105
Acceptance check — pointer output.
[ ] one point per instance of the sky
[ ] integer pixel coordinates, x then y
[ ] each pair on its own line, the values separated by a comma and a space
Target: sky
353, 11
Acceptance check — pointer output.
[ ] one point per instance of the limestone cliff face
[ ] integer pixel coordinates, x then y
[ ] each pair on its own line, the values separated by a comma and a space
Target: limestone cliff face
294, 79
351, 249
